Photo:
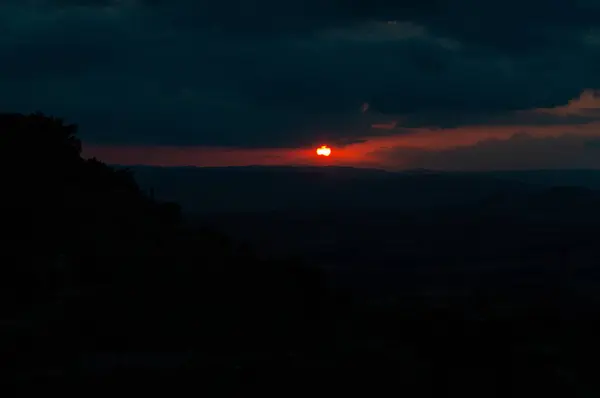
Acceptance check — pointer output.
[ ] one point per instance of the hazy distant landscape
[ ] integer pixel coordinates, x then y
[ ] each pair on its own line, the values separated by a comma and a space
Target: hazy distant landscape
333, 189
420, 231
416, 280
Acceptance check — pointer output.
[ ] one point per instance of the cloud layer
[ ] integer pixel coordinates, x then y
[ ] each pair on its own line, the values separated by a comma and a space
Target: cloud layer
272, 74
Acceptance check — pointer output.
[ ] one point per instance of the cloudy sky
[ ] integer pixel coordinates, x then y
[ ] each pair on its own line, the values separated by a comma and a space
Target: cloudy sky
395, 84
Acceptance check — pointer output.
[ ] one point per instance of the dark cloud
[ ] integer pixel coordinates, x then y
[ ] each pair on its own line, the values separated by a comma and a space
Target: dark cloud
521, 151
267, 73
511, 25
453, 119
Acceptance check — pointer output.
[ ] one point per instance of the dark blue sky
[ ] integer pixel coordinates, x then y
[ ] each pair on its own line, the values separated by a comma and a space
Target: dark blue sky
448, 84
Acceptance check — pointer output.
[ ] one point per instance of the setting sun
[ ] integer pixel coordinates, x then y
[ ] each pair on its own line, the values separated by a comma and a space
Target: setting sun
324, 151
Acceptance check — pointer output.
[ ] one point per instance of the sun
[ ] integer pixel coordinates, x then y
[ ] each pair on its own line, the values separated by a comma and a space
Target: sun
324, 150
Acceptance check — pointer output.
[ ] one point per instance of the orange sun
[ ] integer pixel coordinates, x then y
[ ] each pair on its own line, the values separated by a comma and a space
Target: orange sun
324, 151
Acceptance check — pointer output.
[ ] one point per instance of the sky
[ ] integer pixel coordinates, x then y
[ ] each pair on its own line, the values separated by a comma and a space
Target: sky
403, 84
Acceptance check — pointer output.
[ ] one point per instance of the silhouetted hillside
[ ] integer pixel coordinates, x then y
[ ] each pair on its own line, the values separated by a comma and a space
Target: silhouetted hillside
93, 264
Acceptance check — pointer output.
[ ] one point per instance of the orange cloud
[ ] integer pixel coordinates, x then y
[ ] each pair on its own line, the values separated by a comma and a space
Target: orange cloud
357, 154
385, 126
588, 104
366, 152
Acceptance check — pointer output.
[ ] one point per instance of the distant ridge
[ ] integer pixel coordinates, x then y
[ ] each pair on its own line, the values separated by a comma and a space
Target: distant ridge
420, 171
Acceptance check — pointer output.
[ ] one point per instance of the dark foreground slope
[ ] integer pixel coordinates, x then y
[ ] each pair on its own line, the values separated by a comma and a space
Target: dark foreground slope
101, 283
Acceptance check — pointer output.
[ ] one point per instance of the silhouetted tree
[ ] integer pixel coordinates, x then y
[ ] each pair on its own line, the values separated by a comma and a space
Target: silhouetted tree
60, 206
